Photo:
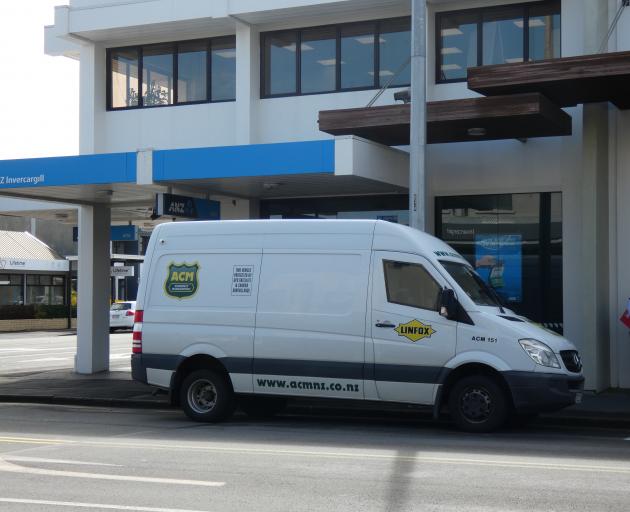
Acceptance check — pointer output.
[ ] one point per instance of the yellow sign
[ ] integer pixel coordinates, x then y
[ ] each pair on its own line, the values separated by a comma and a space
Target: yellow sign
414, 330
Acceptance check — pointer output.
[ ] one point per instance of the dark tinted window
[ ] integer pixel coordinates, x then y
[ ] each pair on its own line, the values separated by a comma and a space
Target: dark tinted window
172, 73
318, 60
224, 69
394, 48
124, 78
280, 58
192, 62
496, 35
357, 56
410, 284
336, 58
157, 75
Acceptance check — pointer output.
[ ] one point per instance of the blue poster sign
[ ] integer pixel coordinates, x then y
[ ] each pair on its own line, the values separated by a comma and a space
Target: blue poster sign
498, 260
171, 205
118, 233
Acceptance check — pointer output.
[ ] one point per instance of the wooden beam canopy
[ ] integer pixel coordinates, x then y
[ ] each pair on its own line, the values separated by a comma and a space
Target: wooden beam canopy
567, 81
465, 120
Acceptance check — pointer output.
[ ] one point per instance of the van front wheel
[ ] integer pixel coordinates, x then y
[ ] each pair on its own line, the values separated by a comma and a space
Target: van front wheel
478, 404
206, 396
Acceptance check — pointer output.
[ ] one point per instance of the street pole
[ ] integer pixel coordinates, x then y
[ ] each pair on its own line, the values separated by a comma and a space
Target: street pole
418, 136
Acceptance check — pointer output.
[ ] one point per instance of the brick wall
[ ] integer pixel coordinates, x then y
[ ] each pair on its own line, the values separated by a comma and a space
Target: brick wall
35, 324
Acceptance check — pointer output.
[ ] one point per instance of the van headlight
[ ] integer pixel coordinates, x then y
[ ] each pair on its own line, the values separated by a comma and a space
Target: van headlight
540, 353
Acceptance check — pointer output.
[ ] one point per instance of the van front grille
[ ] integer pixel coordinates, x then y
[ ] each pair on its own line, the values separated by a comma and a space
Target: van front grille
571, 360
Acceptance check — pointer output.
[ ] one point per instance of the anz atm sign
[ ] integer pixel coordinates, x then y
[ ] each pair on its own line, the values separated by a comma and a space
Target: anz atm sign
171, 205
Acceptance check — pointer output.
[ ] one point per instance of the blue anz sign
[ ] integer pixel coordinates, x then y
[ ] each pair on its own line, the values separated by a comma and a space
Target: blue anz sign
68, 170
171, 205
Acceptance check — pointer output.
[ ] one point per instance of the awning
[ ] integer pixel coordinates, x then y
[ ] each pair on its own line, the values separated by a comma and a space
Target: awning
21, 251
566, 81
471, 119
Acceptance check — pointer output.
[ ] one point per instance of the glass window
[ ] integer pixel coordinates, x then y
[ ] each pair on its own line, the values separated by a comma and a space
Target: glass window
357, 55
157, 75
544, 31
514, 243
319, 60
280, 63
496, 35
120, 306
45, 289
503, 36
410, 284
192, 63
479, 292
223, 69
11, 289
395, 48
124, 78
458, 47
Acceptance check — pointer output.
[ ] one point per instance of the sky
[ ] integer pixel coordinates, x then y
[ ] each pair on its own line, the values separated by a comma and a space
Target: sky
39, 94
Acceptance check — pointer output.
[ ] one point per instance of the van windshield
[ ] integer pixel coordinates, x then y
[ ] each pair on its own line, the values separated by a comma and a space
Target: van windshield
475, 287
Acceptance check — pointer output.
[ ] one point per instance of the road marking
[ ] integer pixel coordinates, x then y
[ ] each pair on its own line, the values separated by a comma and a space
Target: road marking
58, 461
435, 459
76, 504
48, 359
8, 467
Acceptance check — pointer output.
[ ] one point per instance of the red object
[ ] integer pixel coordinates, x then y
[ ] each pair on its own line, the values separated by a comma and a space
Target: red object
136, 346
130, 313
625, 319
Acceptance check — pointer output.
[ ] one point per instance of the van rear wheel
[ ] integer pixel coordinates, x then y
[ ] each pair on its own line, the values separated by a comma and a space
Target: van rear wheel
206, 396
478, 404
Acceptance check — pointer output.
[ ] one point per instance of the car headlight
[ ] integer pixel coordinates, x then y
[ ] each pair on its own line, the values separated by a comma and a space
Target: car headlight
540, 353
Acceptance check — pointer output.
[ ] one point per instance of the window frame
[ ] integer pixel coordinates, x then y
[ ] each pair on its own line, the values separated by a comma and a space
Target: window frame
176, 45
479, 12
423, 268
298, 58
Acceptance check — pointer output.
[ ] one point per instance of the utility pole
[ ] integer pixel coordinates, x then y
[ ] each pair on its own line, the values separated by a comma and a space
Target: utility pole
418, 128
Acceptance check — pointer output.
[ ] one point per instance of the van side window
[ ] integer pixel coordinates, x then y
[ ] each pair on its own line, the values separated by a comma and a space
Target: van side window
409, 284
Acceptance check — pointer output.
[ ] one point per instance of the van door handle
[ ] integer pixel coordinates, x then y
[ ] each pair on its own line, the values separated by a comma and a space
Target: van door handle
386, 323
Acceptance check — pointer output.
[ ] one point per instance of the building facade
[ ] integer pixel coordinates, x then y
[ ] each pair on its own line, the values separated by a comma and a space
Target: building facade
220, 100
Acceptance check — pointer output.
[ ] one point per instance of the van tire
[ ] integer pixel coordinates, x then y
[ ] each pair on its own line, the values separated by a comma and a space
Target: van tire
262, 407
478, 404
206, 396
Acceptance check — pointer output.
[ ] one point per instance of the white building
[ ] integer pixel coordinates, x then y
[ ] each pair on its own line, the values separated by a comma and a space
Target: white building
220, 99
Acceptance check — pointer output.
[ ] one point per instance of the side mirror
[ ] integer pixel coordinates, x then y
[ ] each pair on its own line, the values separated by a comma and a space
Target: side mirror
448, 304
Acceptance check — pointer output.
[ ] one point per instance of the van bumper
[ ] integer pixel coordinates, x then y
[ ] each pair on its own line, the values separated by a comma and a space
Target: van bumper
543, 392
138, 368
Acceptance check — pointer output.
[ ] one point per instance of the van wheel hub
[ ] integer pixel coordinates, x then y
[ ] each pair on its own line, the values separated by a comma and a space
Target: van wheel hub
202, 396
476, 404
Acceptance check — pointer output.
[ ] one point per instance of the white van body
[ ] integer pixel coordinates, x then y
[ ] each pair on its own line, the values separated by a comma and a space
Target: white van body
335, 309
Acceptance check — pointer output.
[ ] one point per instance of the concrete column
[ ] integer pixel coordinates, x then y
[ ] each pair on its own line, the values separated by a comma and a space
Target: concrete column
93, 290
91, 96
247, 81
594, 329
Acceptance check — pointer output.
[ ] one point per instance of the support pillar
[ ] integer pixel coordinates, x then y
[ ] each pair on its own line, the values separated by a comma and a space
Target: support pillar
93, 290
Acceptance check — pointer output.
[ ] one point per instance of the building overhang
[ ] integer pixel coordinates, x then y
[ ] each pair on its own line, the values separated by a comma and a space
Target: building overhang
566, 81
463, 120
127, 182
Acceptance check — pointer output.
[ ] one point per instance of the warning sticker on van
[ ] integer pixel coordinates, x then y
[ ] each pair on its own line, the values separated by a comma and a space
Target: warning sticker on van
182, 280
414, 330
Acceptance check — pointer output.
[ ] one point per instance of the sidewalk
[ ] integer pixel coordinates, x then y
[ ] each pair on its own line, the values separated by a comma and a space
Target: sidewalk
117, 389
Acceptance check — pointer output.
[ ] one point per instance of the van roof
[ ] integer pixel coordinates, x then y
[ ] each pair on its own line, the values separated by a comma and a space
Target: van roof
387, 235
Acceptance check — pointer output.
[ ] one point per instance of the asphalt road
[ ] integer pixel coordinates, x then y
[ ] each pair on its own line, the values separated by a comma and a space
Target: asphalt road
75, 458
38, 351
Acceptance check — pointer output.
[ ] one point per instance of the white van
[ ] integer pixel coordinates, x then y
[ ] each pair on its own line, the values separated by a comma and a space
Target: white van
261, 310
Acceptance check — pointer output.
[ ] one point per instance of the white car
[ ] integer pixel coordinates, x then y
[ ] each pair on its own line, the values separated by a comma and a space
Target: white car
121, 315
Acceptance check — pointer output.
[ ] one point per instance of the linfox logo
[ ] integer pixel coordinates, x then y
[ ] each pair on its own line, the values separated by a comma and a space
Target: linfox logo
414, 330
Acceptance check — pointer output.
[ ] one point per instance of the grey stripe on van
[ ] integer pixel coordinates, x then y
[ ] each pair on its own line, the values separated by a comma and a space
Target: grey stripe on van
308, 368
